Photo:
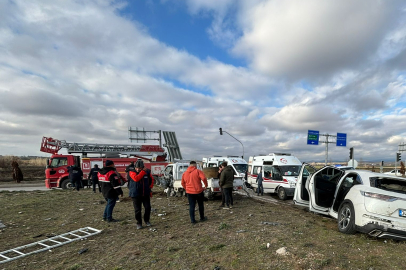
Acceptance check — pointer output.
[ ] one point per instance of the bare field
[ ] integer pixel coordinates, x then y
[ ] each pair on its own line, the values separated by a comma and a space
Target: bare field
30, 172
230, 239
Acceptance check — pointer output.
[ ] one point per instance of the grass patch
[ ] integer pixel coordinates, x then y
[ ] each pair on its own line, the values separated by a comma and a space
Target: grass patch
216, 247
312, 241
223, 226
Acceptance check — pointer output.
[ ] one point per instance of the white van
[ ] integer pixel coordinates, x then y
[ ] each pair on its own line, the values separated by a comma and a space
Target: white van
239, 165
279, 172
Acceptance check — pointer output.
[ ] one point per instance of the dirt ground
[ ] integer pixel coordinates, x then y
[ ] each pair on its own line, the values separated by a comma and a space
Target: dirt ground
229, 239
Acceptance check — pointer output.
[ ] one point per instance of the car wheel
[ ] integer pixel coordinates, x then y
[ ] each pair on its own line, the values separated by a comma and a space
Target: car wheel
346, 219
282, 194
66, 184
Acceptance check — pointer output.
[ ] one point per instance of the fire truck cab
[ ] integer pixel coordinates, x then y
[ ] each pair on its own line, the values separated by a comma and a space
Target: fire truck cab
56, 173
279, 172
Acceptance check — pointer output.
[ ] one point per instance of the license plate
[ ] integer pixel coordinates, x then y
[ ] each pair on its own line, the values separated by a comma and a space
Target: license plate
402, 213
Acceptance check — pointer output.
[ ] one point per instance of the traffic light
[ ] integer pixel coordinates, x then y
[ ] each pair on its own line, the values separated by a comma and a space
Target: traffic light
351, 152
221, 131
382, 163
398, 156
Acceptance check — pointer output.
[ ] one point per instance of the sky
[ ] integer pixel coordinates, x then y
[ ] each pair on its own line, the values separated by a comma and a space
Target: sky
265, 71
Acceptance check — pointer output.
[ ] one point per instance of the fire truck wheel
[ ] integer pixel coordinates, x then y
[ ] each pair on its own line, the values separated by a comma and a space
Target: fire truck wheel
66, 184
282, 194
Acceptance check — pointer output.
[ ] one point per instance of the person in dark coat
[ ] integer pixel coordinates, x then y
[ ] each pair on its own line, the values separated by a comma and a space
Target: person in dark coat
140, 192
128, 169
17, 173
93, 175
111, 188
76, 175
259, 181
221, 190
226, 183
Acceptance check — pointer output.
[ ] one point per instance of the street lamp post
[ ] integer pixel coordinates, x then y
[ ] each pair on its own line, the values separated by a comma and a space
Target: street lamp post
221, 133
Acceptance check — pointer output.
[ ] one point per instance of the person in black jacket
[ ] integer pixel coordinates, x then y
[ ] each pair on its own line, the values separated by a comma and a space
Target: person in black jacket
222, 191
93, 175
111, 189
76, 175
259, 180
140, 192
226, 182
128, 169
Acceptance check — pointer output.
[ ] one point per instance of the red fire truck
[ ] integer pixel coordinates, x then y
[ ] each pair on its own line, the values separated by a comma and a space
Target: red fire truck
56, 172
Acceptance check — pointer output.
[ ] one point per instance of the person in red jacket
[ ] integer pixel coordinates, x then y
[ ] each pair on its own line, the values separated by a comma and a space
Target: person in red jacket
192, 183
140, 192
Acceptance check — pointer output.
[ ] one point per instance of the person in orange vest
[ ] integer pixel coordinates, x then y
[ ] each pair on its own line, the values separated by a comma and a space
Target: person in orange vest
192, 183
111, 188
140, 192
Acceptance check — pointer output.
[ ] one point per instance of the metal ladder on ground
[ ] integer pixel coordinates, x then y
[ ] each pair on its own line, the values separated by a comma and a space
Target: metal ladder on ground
47, 244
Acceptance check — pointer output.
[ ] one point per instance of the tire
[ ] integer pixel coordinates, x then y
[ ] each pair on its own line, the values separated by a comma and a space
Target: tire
282, 194
346, 218
66, 184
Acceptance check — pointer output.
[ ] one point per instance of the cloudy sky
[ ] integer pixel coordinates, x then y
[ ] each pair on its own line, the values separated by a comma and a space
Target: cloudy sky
266, 71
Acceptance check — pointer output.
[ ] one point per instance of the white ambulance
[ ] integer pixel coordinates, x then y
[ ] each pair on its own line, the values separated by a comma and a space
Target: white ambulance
279, 173
239, 165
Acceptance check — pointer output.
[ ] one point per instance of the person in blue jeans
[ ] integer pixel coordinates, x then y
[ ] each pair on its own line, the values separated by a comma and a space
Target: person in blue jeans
111, 189
259, 181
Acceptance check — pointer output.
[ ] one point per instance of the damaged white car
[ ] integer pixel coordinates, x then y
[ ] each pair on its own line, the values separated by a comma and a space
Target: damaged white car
363, 201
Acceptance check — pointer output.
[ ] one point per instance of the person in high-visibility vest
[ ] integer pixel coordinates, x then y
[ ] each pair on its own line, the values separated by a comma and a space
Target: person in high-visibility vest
111, 188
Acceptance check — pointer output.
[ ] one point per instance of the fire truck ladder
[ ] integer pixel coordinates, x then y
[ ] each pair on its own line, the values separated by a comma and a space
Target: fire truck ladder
47, 244
50, 145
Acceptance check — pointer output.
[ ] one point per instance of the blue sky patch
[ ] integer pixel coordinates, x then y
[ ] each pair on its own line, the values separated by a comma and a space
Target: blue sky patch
171, 24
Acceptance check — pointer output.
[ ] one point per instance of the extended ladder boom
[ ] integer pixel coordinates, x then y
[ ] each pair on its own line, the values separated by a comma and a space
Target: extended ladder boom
50, 145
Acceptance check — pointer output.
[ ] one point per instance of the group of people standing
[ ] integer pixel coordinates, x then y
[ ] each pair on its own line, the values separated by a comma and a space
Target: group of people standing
140, 183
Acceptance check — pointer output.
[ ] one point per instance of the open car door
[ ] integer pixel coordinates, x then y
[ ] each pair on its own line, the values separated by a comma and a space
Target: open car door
322, 189
301, 196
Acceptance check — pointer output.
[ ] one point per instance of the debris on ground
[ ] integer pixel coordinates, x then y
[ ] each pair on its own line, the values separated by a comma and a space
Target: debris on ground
269, 223
268, 245
282, 251
241, 231
83, 250
2, 225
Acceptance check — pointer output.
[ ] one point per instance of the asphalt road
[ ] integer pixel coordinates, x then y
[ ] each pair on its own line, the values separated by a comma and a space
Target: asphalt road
23, 186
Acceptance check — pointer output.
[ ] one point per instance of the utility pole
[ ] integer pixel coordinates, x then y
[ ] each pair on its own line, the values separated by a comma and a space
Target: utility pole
221, 133
327, 141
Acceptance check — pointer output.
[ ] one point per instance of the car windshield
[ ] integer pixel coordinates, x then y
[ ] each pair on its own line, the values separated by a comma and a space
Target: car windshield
290, 170
241, 168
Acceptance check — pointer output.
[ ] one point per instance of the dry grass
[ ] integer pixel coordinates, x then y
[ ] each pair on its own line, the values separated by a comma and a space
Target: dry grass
38, 161
234, 239
5, 161
33, 169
